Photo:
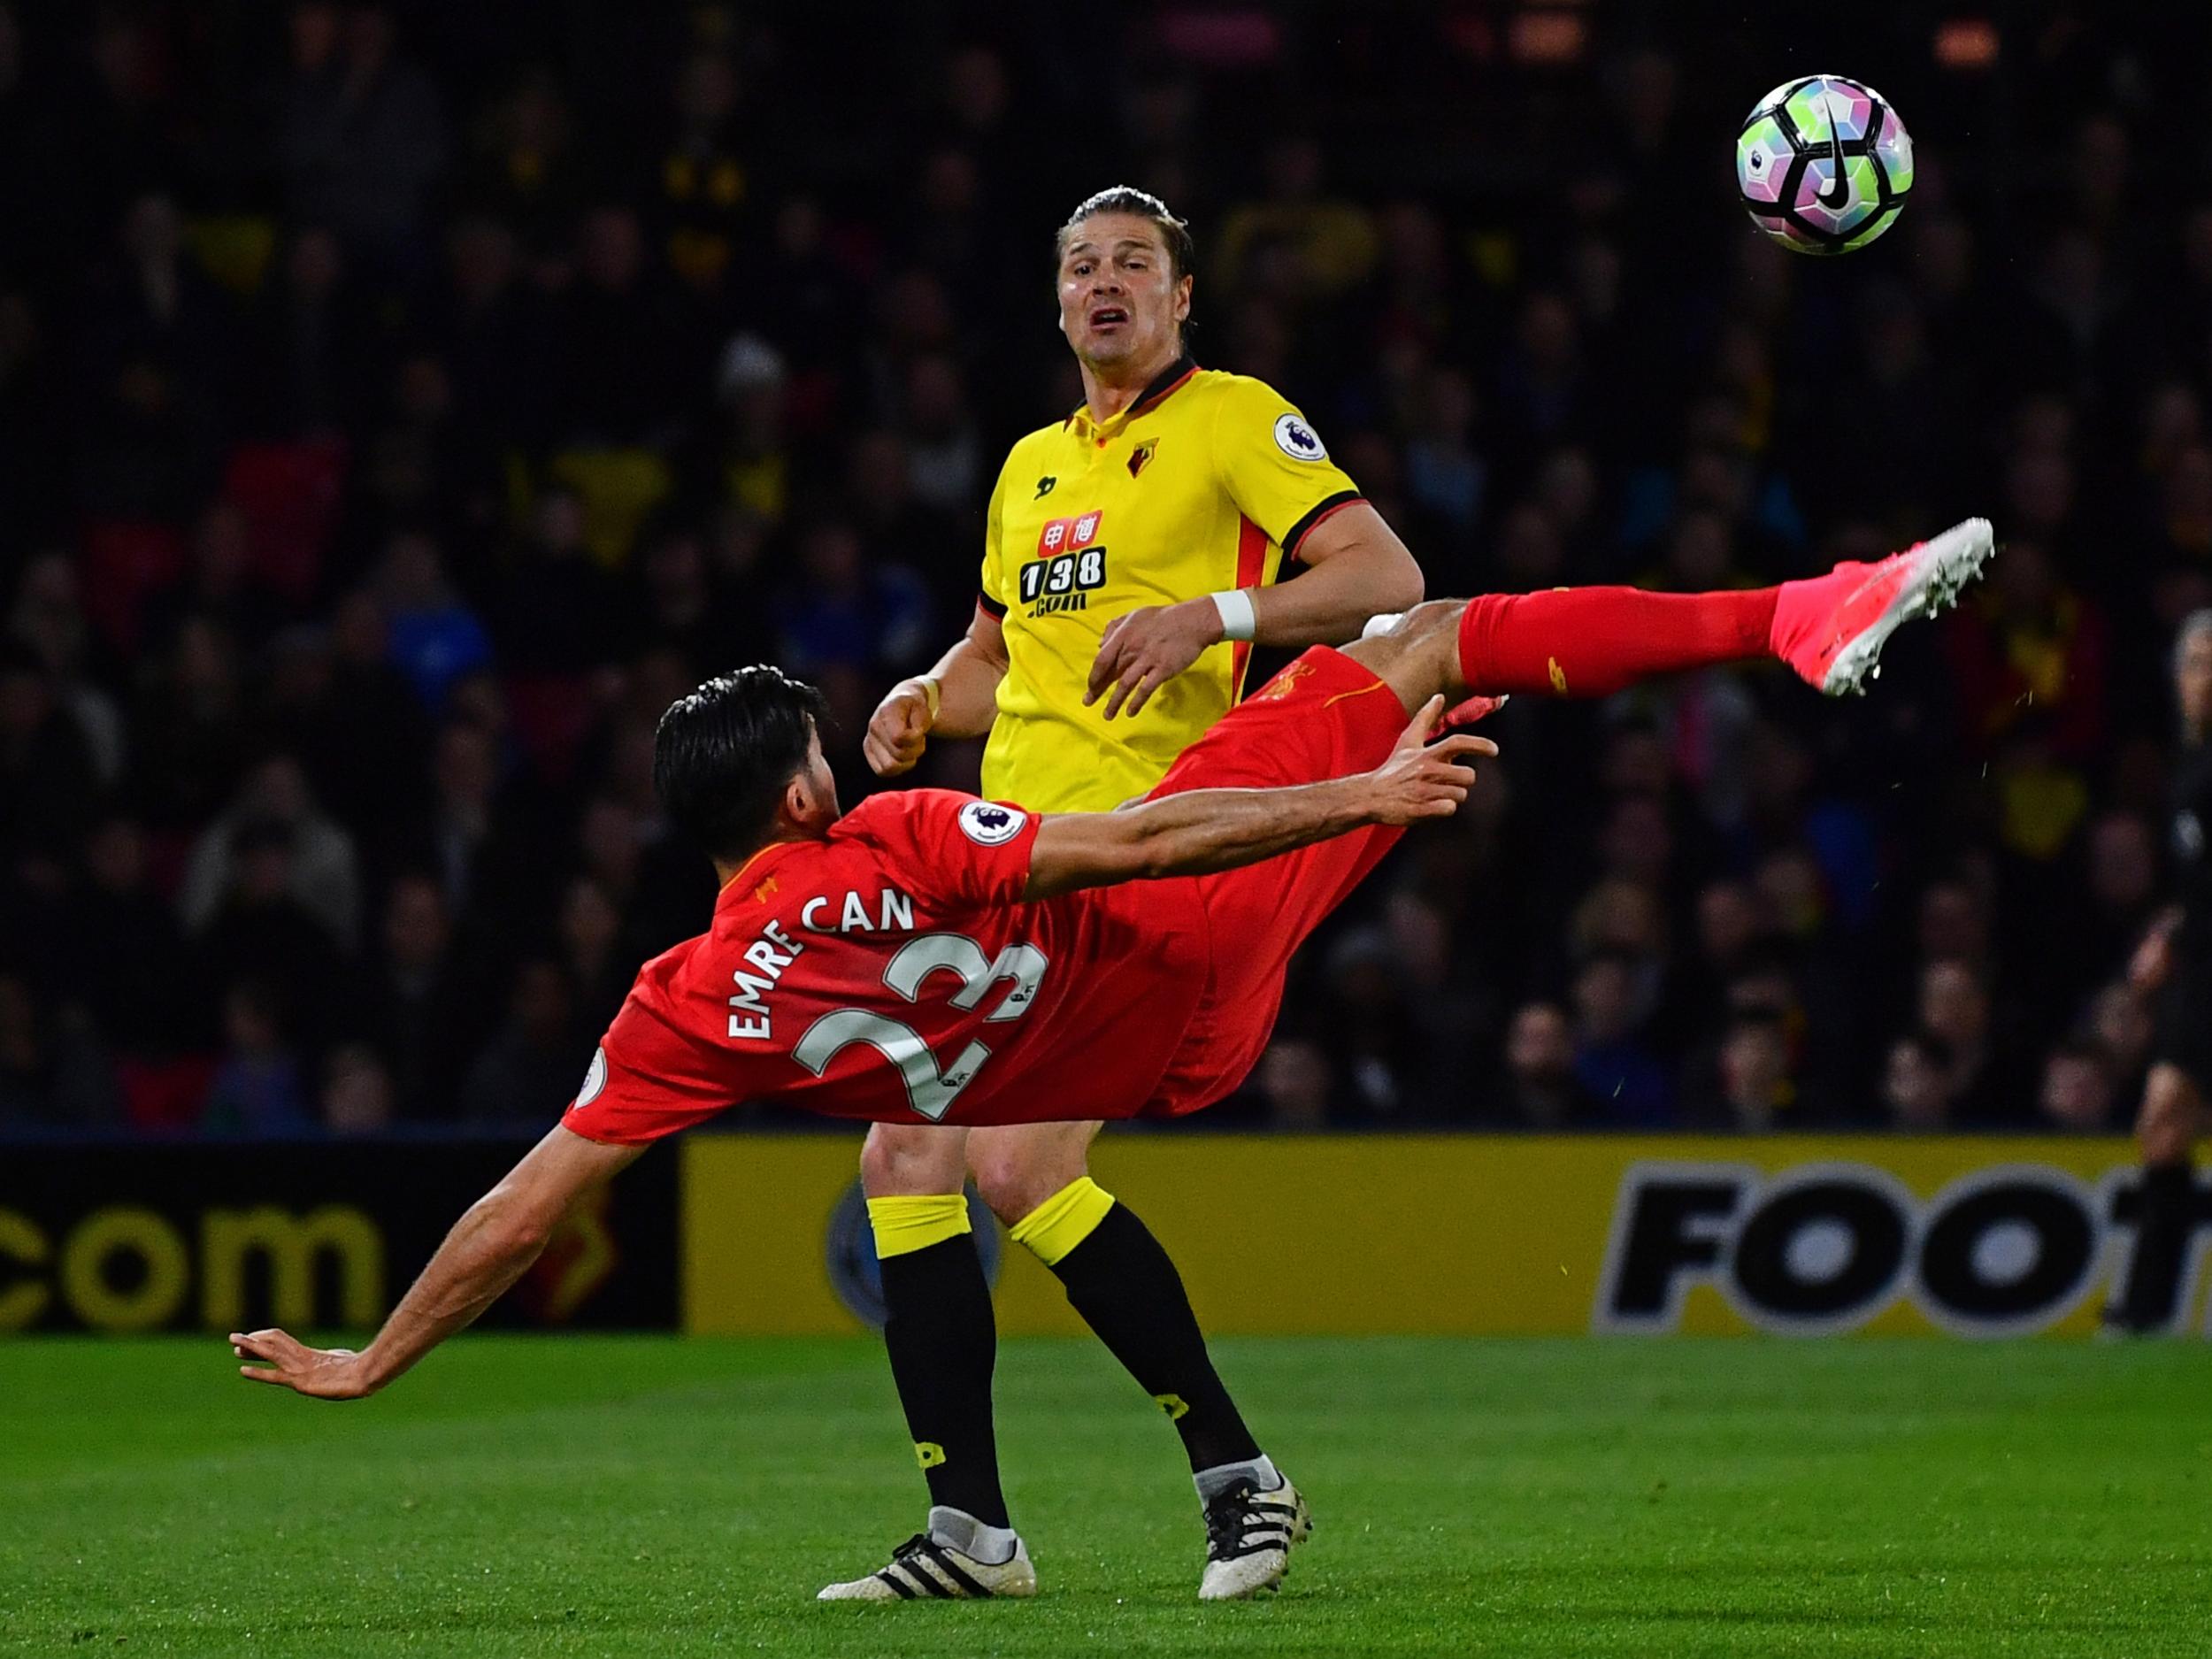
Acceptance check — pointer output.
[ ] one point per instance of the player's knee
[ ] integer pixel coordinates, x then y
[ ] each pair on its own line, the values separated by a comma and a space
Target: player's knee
1435, 616
1421, 646
1418, 622
1014, 1176
901, 1158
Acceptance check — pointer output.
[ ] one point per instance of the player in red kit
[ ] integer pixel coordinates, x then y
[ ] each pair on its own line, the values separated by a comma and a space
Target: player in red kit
957, 960
933, 958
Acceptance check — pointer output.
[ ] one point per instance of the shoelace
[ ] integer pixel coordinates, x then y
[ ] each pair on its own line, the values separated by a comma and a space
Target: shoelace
1240, 1511
947, 1581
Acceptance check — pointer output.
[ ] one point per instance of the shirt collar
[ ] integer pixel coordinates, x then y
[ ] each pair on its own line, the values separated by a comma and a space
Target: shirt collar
1164, 384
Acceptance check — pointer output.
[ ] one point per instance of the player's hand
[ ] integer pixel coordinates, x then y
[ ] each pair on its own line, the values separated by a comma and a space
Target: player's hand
323, 1373
898, 731
2154, 959
1422, 779
1146, 648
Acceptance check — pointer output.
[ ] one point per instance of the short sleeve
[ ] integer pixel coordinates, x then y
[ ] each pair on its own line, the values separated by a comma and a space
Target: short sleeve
1274, 464
952, 852
991, 591
652, 1077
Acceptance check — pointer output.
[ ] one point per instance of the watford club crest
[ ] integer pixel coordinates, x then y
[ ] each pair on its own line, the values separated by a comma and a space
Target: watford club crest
1141, 457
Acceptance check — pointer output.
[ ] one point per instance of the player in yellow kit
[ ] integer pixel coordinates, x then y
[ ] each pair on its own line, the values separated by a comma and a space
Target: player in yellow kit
1205, 483
1134, 554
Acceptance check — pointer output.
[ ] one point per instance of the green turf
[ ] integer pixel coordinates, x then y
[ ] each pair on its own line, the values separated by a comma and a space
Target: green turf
542, 1496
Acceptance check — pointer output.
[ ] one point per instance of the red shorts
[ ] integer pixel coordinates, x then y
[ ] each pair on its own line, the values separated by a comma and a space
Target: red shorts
1325, 715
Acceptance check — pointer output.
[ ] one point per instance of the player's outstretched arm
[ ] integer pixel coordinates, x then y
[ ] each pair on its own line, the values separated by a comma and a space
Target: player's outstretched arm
1220, 829
956, 698
489, 1249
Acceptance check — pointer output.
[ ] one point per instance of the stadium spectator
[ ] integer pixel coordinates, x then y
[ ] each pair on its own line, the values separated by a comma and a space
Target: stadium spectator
1297, 1081
324, 871
122, 956
356, 1097
48, 782
47, 618
361, 134
260, 933
532, 1060
1757, 1089
417, 1008
1542, 1088
2076, 1095
258, 1088
434, 635
51, 1074
1614, 1065
1917, 1090
1954, 1010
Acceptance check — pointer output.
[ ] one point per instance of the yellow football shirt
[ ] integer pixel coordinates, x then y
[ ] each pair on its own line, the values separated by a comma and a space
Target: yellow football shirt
1205, 482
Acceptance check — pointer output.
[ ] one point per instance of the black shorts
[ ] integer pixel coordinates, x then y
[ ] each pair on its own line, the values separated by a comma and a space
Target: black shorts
2184, 1035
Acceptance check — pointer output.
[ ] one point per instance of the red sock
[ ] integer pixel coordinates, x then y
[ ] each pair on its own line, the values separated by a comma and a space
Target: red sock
1593, 641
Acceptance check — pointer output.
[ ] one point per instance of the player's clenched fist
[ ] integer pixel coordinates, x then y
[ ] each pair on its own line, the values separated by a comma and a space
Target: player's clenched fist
1422, 780
899, 729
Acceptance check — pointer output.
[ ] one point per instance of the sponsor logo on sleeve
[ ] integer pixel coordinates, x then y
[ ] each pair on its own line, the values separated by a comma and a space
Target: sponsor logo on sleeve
1297, 440
595, 1079
987, 823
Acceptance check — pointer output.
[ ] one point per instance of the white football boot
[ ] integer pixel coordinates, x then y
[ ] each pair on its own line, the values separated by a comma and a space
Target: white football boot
1250, 1535
940, 1566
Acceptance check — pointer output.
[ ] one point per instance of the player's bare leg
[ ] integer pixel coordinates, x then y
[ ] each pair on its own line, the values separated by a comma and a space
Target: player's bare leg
1592, 641
2168, 1124
1036, 1178
943, 1344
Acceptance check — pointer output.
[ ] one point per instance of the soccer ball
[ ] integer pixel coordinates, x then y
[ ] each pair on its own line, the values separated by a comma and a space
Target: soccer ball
1823, 165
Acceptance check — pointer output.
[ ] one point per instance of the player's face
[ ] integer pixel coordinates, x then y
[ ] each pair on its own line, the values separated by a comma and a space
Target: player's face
2193, 682
1120, 301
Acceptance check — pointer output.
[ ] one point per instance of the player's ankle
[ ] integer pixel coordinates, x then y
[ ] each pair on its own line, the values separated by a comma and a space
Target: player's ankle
1260, 1471
977, 1540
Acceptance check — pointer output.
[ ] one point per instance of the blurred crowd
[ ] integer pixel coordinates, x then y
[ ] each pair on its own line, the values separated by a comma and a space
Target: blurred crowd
399, 406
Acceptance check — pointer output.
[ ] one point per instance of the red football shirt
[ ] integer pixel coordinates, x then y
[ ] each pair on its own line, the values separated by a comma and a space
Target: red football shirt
892, 973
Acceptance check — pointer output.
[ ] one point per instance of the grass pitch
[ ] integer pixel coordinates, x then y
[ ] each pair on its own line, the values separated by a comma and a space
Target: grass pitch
649, 1496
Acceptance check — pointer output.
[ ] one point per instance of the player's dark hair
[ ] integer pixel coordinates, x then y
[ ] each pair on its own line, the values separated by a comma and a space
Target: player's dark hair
723, 753
1182, 252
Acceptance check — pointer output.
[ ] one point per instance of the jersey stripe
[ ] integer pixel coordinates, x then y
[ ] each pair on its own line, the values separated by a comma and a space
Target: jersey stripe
1319, 510
1251, 566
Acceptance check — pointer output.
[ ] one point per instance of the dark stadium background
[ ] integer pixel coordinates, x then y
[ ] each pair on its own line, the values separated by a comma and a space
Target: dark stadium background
399, 404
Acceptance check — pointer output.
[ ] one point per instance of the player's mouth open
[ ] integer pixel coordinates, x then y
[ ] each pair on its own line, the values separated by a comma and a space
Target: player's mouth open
1109, 317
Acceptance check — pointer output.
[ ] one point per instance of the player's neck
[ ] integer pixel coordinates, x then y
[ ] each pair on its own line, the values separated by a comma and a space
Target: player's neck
726, 871
1111, 387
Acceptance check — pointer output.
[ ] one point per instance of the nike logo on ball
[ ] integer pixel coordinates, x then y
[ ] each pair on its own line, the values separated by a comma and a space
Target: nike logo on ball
1839, 188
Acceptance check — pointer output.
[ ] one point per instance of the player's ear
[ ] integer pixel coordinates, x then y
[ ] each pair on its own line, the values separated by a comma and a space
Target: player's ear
798, 799
1182, 298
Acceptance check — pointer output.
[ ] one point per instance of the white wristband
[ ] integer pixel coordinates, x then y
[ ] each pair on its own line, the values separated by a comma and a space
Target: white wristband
1238, 620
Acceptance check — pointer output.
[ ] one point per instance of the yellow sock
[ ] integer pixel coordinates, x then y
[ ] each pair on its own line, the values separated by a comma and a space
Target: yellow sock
1063, 1220
902, 1226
